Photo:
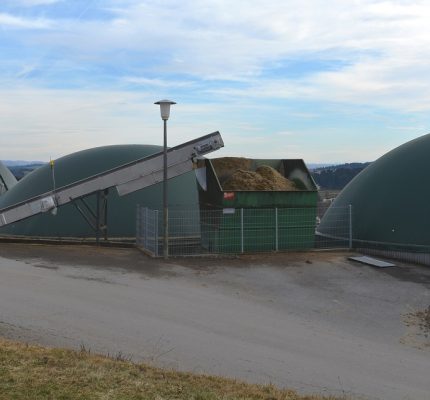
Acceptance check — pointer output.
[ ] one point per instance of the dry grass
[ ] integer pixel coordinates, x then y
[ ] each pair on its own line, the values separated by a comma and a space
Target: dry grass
226, 166
263, 178
278, 181
246, 180
238, 173
33, 372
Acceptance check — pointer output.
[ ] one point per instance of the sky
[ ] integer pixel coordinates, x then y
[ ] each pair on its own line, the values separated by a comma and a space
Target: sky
329, 81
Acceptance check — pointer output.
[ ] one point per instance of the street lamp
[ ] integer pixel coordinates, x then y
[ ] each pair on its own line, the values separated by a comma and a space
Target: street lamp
165, 113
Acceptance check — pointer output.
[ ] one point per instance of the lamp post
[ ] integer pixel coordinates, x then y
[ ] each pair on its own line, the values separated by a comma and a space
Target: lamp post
165, 113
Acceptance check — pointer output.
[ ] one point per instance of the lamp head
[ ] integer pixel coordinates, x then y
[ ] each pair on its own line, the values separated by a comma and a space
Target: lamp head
165, 108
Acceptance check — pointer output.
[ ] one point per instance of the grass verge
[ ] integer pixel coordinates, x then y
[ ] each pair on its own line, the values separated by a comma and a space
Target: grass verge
34, 372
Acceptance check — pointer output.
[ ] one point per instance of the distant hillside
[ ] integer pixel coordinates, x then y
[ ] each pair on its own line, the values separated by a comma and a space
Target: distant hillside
318, 165
336, 177
19, 171
333, 177
20, 163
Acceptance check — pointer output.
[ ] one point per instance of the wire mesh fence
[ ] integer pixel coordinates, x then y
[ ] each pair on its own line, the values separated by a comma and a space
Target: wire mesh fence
339, 233
147, 236
407, 252
243, 230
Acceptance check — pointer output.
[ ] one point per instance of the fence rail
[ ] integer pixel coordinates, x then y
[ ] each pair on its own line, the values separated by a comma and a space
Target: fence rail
238, 231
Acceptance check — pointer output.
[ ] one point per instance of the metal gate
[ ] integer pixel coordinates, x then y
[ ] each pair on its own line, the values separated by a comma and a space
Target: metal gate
147, 230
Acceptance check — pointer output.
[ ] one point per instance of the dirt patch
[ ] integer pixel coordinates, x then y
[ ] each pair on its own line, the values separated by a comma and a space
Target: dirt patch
418, 323
55, 256
53, 267
422, 319
134, 260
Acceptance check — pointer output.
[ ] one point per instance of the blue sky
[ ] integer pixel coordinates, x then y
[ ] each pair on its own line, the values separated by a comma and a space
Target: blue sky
327, 81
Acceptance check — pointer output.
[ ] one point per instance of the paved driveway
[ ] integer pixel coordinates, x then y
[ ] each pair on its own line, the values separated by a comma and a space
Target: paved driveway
311, 321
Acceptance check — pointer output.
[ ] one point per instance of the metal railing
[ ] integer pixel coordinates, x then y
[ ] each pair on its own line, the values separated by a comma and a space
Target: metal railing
241, 230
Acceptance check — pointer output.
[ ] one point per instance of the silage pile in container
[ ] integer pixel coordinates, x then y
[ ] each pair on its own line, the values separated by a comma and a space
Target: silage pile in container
235, 173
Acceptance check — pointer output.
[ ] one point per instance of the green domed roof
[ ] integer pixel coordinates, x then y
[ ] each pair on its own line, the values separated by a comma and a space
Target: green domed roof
121, 210
390, 198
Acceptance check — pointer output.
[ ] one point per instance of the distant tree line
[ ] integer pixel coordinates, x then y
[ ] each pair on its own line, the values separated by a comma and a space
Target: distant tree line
19, 171
336, 177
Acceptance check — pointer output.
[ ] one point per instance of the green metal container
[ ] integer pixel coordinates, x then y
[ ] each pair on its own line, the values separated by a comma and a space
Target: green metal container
236, 221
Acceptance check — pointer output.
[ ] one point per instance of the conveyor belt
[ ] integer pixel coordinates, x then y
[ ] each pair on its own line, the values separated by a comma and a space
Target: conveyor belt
126, 178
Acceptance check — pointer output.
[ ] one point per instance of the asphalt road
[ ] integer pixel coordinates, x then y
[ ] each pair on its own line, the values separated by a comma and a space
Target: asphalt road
313, 322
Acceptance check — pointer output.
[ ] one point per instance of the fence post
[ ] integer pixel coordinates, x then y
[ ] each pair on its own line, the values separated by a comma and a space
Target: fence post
276, 230
241, 231
156, 232
350, 226
145, 227
138, 224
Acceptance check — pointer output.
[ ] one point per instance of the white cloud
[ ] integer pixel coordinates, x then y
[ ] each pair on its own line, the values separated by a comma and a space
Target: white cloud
286, 133
242, 54
163, 83
377, 48
26, 70
32, 3
42, 123
12, 21
388, 83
